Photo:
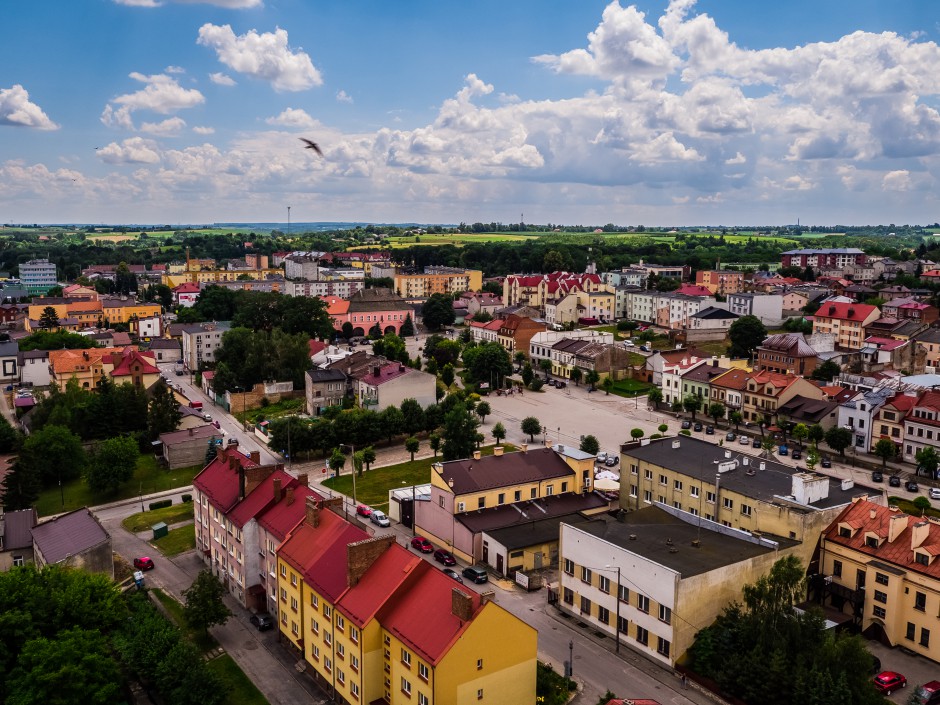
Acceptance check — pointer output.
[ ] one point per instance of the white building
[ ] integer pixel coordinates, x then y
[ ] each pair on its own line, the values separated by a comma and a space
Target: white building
343, 288
390, 384
640, 307
540, 347
38, 275
767, 307
858, 412
200, 341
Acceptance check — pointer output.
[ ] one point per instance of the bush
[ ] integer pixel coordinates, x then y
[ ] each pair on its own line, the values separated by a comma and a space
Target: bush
536, 384
161, 504
187, 498
685, 432
655, 436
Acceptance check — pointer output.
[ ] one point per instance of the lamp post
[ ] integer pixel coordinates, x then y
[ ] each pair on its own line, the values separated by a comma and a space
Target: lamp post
570, 658
352, 455
617, 624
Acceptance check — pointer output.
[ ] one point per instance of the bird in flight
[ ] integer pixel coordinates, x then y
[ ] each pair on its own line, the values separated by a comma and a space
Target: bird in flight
311, 145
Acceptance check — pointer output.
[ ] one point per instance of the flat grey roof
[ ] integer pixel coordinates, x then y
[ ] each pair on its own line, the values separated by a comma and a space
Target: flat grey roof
699, 460
647, 531
533, 533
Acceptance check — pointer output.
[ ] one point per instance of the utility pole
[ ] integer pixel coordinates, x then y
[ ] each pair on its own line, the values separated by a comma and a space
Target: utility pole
288, 221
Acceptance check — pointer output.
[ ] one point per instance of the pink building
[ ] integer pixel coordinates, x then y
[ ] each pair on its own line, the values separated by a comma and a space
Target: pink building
369, 308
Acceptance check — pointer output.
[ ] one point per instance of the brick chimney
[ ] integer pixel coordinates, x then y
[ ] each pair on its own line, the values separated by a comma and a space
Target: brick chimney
476, 455
255, 456
256, 475
461, 605
290, 496
277, 489
312, 513
192, 431
303, 480
487, 596
362, 554
497, 451
896, 524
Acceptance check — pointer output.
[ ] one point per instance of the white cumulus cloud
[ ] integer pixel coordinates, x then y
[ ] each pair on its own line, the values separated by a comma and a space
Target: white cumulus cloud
266, 56
17, 109
343, 97
162, 95
170, 126
222, 79
203, 130
134, 150
899, 180
292, 117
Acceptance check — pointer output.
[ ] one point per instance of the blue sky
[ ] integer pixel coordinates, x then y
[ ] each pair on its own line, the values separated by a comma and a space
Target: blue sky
660, 112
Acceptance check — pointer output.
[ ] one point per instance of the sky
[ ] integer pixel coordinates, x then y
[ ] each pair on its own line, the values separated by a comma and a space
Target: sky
663, 112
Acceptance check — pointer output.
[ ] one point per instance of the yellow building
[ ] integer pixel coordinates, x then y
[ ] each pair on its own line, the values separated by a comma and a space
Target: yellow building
121, 309
90, 367
876, 565
438, 280
358, 609
729, 486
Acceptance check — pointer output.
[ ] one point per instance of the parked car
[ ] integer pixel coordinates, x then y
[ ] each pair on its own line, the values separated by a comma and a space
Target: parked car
876, 476
451, 573
629, 343
475, 575
561, 384
826, 463
697, 427
783, 450
894, 481
422, 544
601, 457
645, 348
912, 486
143, 563
797, 454
935, 493
709, 430
262, 621
379, 519
927, 694
757, 443
363, 511
889, 681
445, 557
686, 424
729, 436
550, 383
611, 461
744, 441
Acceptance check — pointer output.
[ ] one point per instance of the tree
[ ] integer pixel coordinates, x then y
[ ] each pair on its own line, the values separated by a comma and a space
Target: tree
655, 397
637, 433
21, 487
767, 445
163, 412
838, 439
662, 428
487, 363
546, 366
337, 461
608, 385
576, 375
54, 453
592, 378
922, 503
10, 438
499, 432
368, 457
483, 410
348, 329
447, 375
411, 445
800, 432
692, 403
434, 440
392, 422
827, 371
812, 459
736, 417
112, 464
49, 319
527, 374
815, 434
438, 311
927, 461
746, 334
413, 416
519, 359
886, 450
407, 328
716, 410
590, 444
203, 606
460, 430
531, 426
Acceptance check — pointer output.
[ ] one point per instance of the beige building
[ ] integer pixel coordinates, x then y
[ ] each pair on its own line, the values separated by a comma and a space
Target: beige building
767, 391
846, 321
437, 280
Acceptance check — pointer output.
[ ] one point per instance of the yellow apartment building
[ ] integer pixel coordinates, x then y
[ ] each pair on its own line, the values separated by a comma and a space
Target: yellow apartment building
846, 321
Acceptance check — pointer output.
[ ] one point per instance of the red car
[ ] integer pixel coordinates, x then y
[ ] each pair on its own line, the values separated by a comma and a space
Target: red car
363, 511
889, 681
445, 557
143, 563
422, 544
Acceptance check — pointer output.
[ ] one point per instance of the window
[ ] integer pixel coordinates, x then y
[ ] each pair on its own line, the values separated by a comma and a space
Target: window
533, 493
924, 637
871, 541
550, 490
642, 636
19, 560
293, 579
585, 606
422, 672
461, 506
585, 575
910, 631
479, 664
501, 498
648, 474
837, 569
340, 676
481, 502
603, 584
568, 596
315, 652
693, 491
423, 699
728, 503
294, 628
920, 601
623, 625
710, 497
569, 566
283, 571
354, 663
881, 578
353, 634
647, 496
662, 646
746, 510
663, 480
879, 612
623, 593
354, 690
881, 597
845, 532
406, 686
479, 693
340, 650
643, 603
921, 558
406, 658
283, 595
327, 638
665, 614
314, 601
293, 603
340, 622
518, 496
327, 611
603, 615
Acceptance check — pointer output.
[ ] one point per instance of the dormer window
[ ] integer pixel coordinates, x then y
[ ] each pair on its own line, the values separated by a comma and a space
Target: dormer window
872, 541
845, 531
922, 558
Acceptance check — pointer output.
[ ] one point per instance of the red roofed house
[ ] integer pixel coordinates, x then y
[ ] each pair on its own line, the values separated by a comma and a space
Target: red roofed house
922, 426
486, 332
186, 294
389, 384
379, 625
881, 570
889, 420
720, 281
694, 290
137, 368
846, 321
767, 391
516, 332
911, 309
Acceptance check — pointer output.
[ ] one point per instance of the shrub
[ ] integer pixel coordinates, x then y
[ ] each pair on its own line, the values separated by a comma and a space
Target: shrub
655, 436
536, 384
187, 498
685, 432
161, 504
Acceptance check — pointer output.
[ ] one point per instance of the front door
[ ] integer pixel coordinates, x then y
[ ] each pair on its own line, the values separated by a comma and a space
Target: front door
499, 563
486, 552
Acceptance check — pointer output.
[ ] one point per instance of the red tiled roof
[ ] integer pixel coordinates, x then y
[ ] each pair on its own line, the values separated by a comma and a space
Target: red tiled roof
260, 498
386, 374
219, 482
394, 568
315, 346
280, 518
319, 554
694, 290
186, 288
422, 616
122, 367
845, 311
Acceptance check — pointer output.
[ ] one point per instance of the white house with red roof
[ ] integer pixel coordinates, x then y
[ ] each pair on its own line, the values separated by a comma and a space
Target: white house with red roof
390, 383
922, 426
845, 321
186, 294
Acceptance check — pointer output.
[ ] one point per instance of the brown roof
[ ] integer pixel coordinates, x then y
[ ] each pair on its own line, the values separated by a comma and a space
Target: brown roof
18, 529
732, 379
494, 471
377, 299
199, 432
68, 535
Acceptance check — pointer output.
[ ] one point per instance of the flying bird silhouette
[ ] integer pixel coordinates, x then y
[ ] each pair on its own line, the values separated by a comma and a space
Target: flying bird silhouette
311, 145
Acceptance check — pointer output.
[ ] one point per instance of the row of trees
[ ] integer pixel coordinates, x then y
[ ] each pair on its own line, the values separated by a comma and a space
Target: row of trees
249, 356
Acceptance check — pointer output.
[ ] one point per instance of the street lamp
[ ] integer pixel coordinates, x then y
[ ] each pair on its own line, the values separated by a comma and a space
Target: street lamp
352, 455
617, 625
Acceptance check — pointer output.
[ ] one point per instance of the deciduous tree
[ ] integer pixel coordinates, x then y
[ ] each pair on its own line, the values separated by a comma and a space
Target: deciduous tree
745, 335
112, 464
411, 445
531, 426
590, 444
203, 606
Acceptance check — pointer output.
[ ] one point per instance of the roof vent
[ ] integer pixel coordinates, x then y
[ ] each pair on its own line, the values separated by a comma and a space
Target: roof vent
669, 542
673, 549
727, 453
696, 543
763, 466
633, 537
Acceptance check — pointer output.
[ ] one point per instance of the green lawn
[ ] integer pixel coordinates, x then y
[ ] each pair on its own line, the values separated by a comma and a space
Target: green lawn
629, 388
271, 411
907, 506
372, 487
148, 478
178, 540
141, 521
241, 691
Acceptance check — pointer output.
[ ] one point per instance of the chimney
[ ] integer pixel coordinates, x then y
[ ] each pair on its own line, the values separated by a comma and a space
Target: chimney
487, 596
303, 480
919, 534
241, 480
497, 451
461, 605
277, 489
192, 432
376, 370
290, 496
549, 443
525, 447
476, 455
362, 554
255, 456
896, 524
312, 517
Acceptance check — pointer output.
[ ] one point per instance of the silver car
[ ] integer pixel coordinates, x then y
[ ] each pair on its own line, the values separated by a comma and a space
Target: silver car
378, 517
